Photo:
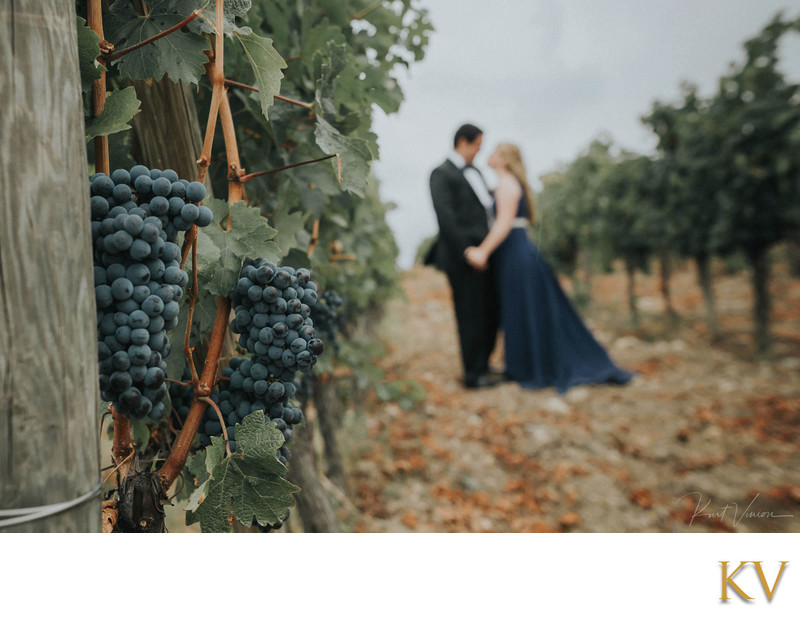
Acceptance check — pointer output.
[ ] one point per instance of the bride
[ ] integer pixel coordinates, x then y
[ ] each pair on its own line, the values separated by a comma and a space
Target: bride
546, 343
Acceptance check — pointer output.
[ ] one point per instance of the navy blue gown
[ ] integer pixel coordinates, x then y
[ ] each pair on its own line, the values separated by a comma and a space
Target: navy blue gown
546, 343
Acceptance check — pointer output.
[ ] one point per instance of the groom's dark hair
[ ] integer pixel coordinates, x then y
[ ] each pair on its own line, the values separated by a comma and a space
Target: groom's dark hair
467, 132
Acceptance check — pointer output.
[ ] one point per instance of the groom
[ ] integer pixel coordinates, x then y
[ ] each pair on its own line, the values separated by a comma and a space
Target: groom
462, 202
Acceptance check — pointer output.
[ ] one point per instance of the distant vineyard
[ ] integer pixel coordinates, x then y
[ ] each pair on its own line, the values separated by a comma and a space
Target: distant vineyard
725, 179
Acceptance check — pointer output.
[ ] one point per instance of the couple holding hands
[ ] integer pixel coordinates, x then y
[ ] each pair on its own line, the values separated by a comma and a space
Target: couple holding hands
500, 281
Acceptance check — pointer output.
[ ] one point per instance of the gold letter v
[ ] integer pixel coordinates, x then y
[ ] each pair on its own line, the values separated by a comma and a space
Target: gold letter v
767, 590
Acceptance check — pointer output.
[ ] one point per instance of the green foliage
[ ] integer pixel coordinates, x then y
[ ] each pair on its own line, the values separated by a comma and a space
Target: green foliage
354, 152
88, 51
369, 279
291, 228
625, 202
555, 230
687, 176
267, 65
179, 55
569, 205
246, 485
220, 252
407, 392
341, 68
757, 124
121, 106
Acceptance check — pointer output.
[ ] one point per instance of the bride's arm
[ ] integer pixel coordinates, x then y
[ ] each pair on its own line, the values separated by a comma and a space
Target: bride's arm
507, 196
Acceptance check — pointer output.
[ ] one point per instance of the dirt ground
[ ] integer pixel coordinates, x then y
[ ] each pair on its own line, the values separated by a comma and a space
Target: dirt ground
704, 439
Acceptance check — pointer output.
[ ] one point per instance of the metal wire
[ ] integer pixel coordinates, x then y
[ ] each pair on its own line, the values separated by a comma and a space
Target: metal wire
23, 515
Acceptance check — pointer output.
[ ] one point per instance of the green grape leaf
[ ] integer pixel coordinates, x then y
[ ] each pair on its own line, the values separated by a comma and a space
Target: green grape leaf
336, 10
195, 476
176, 359
354, 153
279, 17
246, 485
197, 468
318, 39
215, 454
267, 65
327, 69
88, 50
205, 312
315, 186
296, 258
179, 55
141, 433
121, 106
220, 253
289, 225
196, 496
382, 90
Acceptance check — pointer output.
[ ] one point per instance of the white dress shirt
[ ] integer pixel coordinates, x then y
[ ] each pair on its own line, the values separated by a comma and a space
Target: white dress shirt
476, 181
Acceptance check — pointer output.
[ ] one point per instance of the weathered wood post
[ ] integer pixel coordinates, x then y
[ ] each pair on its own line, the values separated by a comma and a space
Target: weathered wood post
49, 433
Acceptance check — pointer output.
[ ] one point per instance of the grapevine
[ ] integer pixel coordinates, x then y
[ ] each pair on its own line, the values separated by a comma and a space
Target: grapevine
223, 276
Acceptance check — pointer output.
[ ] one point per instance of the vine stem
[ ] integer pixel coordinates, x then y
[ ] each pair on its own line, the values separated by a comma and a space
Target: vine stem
221, 422
122, 446
102, 162
250, 176
188, 240
180, 451
187, 349
213, 67
124, 51
314, 238
244, 86
169, 422
365, 12
177, 458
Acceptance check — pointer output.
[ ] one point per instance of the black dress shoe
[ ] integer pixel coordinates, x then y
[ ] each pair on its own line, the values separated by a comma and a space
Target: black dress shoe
484, 381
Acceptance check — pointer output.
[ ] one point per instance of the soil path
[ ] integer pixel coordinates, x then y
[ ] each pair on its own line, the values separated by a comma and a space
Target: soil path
705, 438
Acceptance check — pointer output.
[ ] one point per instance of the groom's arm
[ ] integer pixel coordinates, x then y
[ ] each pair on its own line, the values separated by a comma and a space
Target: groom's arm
451, 230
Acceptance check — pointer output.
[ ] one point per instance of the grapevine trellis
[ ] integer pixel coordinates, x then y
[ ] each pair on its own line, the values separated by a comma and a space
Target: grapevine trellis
241, 415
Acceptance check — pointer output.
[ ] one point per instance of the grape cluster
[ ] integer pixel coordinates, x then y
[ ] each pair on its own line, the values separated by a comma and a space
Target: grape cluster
242, 395
182, 397
272, 307
136, 218
325, 314
326, 317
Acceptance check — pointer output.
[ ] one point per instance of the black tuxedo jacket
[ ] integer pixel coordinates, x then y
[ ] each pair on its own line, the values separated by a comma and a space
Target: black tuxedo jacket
461, 216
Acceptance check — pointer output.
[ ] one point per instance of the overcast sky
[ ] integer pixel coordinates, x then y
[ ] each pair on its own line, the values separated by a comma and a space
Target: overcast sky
551, 75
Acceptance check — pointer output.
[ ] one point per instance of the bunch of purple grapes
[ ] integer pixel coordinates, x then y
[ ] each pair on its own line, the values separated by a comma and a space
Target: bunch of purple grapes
272, 307
137, 216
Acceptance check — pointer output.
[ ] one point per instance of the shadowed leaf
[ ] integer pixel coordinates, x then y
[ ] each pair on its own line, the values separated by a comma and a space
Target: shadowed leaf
121, 106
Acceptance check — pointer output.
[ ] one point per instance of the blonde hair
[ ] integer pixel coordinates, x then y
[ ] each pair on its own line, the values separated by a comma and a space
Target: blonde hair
516, 167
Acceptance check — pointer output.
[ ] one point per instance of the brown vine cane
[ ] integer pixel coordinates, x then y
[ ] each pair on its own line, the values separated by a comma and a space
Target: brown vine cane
204, 384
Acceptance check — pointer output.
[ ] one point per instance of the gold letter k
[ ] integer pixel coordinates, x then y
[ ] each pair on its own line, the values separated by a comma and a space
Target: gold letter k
726, 580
